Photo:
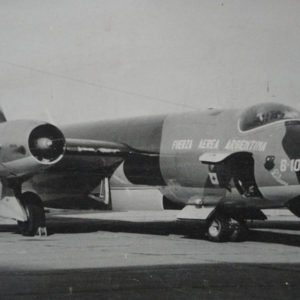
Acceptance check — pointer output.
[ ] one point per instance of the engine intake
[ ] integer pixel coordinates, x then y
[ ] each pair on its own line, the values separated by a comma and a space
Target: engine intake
29, 146
46, 143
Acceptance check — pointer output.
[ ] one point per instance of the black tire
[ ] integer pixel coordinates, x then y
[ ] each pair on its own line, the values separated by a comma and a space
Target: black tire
218, 229
239, 231
35, 213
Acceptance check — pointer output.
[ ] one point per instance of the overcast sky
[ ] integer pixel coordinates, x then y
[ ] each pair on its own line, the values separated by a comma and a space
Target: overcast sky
89, 60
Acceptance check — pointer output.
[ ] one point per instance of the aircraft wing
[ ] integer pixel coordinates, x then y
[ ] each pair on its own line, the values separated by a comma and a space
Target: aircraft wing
82, 147
96, 156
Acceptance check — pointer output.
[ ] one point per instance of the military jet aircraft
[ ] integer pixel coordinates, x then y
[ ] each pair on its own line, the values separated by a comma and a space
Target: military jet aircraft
218, 166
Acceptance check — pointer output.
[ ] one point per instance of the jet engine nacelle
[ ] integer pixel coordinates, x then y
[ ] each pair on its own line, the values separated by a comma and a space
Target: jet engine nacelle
28, 146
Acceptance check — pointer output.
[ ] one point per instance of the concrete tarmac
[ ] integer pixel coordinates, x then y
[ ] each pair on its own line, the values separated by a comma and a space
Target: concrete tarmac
138, 255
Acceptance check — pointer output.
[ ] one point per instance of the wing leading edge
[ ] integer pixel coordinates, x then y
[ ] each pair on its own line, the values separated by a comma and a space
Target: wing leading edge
99, 157
95, 148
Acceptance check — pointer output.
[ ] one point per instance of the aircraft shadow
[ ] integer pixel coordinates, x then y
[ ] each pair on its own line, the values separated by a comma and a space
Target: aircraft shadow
74, 225
264, 236
7, 228
259, 231
188, 230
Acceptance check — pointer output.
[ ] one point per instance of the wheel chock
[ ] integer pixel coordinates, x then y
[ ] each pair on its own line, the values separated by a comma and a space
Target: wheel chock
42, 231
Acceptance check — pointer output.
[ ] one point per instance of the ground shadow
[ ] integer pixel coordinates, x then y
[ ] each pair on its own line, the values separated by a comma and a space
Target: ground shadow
283, 238
75, 225
259, 231
264, 232
7, 228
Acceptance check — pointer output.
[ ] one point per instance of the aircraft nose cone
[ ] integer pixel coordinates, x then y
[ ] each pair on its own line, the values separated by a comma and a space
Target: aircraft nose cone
291, 140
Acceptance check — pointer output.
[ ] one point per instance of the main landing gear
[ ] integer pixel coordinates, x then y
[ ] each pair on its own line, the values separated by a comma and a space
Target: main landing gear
222, 228
35, 224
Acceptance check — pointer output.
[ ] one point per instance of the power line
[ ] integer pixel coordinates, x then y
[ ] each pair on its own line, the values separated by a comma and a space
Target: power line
93, 84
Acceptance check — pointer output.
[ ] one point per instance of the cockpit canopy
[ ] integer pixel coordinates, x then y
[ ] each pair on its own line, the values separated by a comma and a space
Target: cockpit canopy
266, 113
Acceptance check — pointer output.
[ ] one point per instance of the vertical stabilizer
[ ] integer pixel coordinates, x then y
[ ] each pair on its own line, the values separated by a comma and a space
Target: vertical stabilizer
2, 116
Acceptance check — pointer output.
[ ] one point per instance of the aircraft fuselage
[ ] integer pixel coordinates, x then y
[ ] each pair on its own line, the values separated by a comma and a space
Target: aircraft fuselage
266, 157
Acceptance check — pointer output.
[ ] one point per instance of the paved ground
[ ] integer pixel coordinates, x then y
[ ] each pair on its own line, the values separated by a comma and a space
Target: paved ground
149, 254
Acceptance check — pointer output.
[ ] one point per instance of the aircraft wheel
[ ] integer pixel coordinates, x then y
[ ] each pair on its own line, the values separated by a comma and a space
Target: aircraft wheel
218, 229
35, 213
239, 231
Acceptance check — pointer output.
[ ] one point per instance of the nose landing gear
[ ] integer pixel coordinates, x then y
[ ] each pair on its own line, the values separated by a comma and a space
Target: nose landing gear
218, 229
222, 229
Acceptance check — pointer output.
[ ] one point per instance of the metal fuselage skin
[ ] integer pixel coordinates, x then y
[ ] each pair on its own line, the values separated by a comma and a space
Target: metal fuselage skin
181, 140
187, 137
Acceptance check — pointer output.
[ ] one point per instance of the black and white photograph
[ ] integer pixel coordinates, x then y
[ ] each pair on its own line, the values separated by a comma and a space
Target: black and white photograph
150, 149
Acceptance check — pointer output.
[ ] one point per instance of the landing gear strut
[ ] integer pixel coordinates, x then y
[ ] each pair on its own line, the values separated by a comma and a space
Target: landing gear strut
222, 228
35, 214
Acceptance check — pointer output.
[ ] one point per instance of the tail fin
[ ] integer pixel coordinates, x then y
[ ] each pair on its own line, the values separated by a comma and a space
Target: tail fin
2, 116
